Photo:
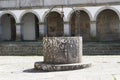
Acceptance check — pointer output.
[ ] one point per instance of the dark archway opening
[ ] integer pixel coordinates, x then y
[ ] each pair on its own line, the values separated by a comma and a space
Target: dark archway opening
8, 24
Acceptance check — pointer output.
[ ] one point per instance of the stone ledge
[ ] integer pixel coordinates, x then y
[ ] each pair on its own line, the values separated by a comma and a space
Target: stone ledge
60, 67
20, 48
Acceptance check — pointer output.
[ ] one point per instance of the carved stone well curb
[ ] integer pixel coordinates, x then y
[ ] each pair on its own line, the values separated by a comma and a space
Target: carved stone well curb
61, 53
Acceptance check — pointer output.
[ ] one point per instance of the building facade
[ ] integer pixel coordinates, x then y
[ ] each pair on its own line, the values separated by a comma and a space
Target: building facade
30, 20
23, 24
96, 23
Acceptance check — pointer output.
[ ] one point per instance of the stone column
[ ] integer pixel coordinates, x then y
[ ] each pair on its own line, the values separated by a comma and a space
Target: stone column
45, 27
0, 31
67, 29
119, 29
41, 30
93, 28
18, 32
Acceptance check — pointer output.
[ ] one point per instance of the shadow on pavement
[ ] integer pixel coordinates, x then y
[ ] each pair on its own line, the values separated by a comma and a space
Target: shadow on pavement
34, 71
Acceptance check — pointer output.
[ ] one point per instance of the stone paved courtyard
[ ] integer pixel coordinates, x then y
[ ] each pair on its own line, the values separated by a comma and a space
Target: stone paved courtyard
21, 68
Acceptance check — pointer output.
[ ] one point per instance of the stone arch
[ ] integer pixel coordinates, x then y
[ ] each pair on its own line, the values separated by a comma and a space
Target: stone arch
29, 11
30, 26
8, 27
8, 12
104, 8
54, 24
48, 11
81, 9
84, 25
107, 25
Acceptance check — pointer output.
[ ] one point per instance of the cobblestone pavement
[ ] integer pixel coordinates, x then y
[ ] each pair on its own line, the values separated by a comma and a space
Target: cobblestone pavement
21, 68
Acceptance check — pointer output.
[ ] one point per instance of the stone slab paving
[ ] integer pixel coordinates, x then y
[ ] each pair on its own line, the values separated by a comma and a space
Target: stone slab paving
21, 68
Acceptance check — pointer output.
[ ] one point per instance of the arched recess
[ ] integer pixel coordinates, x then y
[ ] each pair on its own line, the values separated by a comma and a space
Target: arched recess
81, 9
30, 26
54, 24
107, 22
84, 25
46, 13
8, 27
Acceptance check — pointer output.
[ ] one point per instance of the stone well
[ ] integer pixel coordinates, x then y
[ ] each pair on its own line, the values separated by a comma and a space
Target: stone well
61, 53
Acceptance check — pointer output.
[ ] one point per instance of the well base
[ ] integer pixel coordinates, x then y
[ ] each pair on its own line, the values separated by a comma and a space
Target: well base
60, 67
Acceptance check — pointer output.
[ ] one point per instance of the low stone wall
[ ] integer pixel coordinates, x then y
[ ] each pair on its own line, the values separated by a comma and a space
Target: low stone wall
101, 48
36, 48
21, 48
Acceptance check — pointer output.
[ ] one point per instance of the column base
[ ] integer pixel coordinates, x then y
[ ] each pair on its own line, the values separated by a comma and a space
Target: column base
18, 38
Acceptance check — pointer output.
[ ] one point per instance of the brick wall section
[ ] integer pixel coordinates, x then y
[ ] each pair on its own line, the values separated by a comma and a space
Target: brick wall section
21, 48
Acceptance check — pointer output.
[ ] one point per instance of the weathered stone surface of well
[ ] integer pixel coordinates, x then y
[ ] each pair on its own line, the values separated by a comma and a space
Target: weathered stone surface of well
61, 54
62, 50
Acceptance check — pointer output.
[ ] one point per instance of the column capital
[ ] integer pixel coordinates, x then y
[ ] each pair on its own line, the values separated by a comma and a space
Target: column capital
19, 23
93, 22
66, 22
40, 23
